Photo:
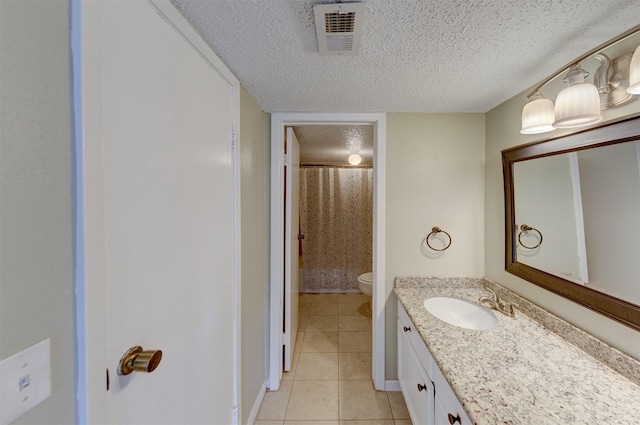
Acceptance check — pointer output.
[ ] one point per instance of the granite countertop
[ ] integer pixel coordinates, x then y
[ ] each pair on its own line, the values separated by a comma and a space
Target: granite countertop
519, 372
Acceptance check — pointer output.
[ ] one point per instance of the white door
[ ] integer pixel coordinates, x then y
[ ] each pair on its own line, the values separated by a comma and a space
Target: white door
165, 135
291, 229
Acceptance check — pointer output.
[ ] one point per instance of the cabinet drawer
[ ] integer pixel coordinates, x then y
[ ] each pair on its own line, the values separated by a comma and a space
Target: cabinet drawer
407, 327
417, 388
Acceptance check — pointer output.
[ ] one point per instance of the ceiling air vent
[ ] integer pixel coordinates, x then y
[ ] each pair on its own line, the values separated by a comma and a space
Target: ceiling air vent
339, 27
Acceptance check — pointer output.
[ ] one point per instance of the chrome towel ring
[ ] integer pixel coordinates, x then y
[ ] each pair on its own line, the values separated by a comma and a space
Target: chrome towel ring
523, 229
435, 230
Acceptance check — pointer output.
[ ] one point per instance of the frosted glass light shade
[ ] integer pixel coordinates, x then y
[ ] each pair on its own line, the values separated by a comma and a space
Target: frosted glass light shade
634, 73
577, 105
354, 159
537, 115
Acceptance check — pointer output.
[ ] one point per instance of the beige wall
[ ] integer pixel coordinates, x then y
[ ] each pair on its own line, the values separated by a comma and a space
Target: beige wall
434, 177
254, 152
503, 131
36, 280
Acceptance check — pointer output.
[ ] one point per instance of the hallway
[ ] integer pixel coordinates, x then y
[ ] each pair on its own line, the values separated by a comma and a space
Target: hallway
330, 380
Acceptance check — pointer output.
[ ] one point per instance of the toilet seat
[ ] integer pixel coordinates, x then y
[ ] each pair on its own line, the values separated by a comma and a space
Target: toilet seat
366, 277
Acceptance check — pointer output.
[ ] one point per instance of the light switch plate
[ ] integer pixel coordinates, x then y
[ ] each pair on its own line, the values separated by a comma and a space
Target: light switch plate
25, 380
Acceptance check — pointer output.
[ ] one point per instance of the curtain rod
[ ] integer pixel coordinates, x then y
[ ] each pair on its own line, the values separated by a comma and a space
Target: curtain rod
334, 165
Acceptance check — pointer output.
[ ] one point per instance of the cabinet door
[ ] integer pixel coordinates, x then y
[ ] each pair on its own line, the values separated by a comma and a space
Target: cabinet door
449, 415
416, 386
447, 407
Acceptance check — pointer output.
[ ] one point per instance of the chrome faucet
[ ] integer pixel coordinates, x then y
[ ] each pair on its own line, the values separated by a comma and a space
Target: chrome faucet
497, 304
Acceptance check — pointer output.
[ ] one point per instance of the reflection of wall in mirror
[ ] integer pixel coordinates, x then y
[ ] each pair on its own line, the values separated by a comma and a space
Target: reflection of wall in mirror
610, 180
544, 199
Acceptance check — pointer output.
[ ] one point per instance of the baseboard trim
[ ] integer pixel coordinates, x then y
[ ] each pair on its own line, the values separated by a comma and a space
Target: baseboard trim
392, 385
256, 405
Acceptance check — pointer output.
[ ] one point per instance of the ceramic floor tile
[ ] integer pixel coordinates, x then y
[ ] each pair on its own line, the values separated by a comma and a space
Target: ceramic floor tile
303, 297
322, 323
302, 323
325, 298
354, 342
404, 422
317, 366
274, 404
313, 400
299, 342
398, 406
353, 323
290, 375
268, 423
320, 342
367, 422
353, 310
312, 423
359, 400
303, 309
324, 309
350, 298
354, 366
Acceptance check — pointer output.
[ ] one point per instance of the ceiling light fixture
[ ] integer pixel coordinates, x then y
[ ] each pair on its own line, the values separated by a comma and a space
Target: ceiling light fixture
580, 104
354, 159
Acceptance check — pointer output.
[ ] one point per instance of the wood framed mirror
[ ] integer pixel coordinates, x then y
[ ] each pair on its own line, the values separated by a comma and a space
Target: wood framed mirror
603, 240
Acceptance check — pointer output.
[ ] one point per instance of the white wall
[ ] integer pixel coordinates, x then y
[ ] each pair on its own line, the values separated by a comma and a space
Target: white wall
435, 177
254, 152
503, 131
36, 280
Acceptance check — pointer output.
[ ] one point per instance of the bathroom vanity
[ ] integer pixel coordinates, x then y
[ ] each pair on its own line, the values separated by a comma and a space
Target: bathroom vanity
520, 372
427, 394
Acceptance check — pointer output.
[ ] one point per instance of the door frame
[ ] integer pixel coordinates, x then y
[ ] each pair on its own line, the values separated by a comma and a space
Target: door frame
278, 123
89, 237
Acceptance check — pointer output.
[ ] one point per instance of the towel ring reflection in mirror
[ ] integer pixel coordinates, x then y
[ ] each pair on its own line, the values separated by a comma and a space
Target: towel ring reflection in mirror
434, 231
523, 229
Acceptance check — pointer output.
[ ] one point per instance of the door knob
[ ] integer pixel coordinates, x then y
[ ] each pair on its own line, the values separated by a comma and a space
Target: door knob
138, 360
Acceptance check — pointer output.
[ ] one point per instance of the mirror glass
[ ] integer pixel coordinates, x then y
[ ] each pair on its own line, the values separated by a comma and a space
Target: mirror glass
573, 217
585, 209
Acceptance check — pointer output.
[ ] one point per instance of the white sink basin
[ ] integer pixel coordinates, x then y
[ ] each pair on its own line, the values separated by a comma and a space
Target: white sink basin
461, 313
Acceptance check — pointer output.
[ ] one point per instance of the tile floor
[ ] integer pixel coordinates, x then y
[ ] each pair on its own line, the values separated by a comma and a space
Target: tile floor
330, 379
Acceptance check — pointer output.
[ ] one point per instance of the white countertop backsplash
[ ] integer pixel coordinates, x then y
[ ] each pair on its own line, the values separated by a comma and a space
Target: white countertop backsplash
531, 369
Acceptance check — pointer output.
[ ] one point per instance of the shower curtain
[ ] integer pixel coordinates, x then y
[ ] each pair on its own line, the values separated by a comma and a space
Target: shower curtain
336, 219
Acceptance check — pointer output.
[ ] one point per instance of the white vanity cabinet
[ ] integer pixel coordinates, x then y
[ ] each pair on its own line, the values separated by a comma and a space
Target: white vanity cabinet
417, 387
429, 398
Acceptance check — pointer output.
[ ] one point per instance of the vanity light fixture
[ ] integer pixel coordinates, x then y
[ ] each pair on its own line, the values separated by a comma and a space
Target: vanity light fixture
580, 104
634, 73
354, 159
537, 115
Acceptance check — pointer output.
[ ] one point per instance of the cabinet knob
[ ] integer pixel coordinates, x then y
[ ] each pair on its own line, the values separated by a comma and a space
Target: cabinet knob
421, 387
138, 360
406, 329
454, 419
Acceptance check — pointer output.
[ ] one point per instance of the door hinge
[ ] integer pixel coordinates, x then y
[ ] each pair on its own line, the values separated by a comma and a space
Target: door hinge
108, 382
284, 158
235, 415
233, 140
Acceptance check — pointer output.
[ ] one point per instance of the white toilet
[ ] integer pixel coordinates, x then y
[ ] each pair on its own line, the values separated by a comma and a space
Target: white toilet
365, 283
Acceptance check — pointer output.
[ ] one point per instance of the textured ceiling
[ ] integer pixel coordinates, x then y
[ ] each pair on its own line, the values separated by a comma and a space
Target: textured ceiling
322, 144
416, 55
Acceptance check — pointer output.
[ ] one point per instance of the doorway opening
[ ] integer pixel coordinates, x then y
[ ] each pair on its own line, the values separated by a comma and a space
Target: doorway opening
279, 121
335, 243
